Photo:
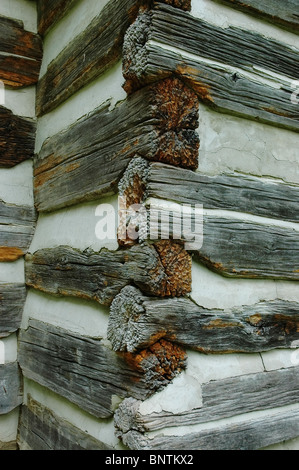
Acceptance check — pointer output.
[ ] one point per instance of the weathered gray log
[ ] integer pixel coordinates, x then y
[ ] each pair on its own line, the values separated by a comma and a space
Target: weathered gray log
101, 276
17, 224
49, 12
41, 429
12, 301
17, 137
229, 245
224, 87
88, 373
87, 160
224, 398
20, 54
137, 321
10, 387
233, 192
252, 433
89, 55
284, 14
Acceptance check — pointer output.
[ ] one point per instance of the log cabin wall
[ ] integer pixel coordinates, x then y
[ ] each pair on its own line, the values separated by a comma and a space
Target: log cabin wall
143, 343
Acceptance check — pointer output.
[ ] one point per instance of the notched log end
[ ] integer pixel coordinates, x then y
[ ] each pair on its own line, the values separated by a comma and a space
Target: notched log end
160, 363
177, 263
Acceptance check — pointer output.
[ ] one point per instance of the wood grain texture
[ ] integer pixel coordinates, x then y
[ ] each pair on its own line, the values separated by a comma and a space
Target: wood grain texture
17, 224
49, 12
284, 14
42, 429
224, 398
233, 192
17, 137
11, 445
226, 88
137, 321
12, 301
88, 56
101, 276
88, 373
88, 159
20, 54
252, 433
11, 394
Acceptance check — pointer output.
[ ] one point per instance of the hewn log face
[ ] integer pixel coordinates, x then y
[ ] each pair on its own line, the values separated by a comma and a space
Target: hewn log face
17, 225
137, 321
223, 87
41, 429
284, 14
17, 137
12, 301
88, 373
10, 387
221, 399
251, 434
87, 160
49, 12
87, 56
20, 54
101, 276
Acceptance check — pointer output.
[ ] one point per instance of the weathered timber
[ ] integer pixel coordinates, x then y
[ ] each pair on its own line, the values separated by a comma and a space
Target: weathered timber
88, 373
137, 321
17, 225
17, 137
284, 14
233, 192
221, 399
226, 88
89, 55
101, 276
20, 54
10, 387
87, 160
49, 12
11, 445
12, 301
226, 243
252, 433
41, 429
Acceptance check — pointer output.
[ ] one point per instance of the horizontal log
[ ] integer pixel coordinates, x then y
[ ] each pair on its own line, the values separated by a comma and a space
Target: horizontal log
42, 429
87, 160
252, 433
11, 445
284, 14
224, 398
137, 321
101, 276
17, 224
10, 388
88, 373
233, 192
100, 45
49, 12
12, 301
224, 87
229, 245
20, 54
17, 137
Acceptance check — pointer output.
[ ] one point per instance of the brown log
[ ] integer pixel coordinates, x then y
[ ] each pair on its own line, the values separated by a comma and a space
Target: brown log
49, 12
17, 138
159, 122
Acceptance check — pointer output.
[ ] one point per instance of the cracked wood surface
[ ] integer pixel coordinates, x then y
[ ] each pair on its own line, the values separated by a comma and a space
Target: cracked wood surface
223, 85
86, 372
11, 394
88, 159
136, 321
20, 54
12, 301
